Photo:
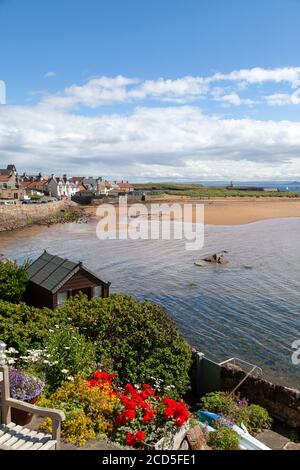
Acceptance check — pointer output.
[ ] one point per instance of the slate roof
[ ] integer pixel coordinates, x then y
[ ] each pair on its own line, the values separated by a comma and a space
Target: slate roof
52, 272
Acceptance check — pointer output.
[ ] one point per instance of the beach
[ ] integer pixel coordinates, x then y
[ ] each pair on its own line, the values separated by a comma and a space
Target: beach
232, 211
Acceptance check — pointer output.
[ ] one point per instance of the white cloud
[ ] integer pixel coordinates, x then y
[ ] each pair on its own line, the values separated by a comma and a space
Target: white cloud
163, 142
257, 75
106, 90
173, 141
96, 92
50, 74
283, 99
219, 94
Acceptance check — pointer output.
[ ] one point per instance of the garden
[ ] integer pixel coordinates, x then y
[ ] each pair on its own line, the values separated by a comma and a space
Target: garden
116, 367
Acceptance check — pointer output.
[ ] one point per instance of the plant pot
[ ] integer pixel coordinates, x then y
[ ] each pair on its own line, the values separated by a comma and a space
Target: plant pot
171, 442
20, 417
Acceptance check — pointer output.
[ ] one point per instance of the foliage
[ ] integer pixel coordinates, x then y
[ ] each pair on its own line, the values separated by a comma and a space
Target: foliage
24, 327
167, 187
90, 411
238, 411
256, 419
223, 439
13, 281
24, 386
146, 417
219, 402
68, 353
138, 341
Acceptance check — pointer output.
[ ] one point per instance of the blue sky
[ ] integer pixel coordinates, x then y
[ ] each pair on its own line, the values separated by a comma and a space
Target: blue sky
147, 89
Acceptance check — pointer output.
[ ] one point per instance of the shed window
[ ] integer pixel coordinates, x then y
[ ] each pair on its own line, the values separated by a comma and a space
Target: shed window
62, 297
97, 292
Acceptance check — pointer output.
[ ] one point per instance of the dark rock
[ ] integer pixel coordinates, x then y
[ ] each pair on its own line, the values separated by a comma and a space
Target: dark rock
223, 260
211, 259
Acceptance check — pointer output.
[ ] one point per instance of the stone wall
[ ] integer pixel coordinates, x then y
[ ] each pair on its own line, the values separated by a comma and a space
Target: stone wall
22, 215
282, 403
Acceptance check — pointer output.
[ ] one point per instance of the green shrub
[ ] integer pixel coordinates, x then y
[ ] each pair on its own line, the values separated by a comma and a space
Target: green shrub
138, 340
219, 402
68, 353
224, 439
256, 419
23, 327
13, 281
238, 411
89, 411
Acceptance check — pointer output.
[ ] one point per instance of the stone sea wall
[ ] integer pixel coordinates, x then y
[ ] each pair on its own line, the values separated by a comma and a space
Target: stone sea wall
208, 376
22, 215
282, 403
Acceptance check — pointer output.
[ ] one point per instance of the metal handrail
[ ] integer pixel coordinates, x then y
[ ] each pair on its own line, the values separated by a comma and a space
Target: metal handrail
234, 359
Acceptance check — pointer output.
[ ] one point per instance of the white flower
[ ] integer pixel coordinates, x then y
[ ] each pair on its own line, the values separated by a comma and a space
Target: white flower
46, 362
57, 327
65, 371
11, 361
70, 378
67, 348
51, 331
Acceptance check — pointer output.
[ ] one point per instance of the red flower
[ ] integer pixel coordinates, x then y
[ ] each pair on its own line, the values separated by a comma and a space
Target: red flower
129, 389
120, 418
149, 391
101, 375
130, 439
140, 436
148, 416
92, 383
169, 413
129, 415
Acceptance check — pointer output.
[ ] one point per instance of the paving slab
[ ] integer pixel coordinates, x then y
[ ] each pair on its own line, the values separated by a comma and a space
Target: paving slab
292, 446
273, 440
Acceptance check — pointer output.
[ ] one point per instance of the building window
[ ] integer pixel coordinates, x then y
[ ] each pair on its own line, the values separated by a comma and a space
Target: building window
97, 292
62, 297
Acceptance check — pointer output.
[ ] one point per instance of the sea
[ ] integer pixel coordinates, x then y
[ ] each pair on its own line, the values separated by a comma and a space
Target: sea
248, 309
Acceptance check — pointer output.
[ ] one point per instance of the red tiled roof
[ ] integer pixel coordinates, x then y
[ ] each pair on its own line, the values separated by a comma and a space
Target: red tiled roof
124, 185
34, 184
4, 178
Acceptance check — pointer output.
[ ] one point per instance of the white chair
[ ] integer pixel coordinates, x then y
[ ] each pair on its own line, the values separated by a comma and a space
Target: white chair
13, 437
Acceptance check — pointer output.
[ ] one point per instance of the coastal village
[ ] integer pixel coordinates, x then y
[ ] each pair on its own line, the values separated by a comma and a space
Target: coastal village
16, 188
67, 340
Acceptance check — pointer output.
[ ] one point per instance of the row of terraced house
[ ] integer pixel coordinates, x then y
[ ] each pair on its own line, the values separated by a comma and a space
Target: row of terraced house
16, 187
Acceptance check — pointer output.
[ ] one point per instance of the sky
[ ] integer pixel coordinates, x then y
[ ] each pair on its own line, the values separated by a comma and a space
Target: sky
151, 89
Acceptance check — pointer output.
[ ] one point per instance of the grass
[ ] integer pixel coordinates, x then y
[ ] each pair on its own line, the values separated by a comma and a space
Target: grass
200, 191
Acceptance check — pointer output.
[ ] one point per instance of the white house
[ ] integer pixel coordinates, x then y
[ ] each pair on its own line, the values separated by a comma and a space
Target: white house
61, 187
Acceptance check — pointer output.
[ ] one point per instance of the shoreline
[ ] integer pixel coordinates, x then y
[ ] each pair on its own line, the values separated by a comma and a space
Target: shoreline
228, 211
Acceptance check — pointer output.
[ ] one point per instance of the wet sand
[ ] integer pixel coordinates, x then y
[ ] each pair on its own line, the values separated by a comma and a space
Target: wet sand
234, 211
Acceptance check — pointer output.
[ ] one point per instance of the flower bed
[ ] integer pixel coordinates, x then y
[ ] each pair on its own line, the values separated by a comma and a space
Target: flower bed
130, 416
145, 418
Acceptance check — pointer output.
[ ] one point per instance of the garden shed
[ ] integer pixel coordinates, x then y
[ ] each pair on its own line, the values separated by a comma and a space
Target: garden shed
52, 280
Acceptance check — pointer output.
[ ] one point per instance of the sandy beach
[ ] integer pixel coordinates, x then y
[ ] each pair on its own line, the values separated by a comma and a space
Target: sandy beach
234, 211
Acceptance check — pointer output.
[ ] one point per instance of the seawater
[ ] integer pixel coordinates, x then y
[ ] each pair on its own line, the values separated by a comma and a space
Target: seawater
249, 309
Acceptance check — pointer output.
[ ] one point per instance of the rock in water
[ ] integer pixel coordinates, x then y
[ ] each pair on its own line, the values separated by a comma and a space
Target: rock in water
211, 259
223, 260
200, 264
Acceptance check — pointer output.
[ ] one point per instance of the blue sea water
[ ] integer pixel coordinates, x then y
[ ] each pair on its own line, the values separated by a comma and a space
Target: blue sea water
249, 309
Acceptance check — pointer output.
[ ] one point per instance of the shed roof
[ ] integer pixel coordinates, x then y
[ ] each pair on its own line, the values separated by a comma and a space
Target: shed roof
51, 272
